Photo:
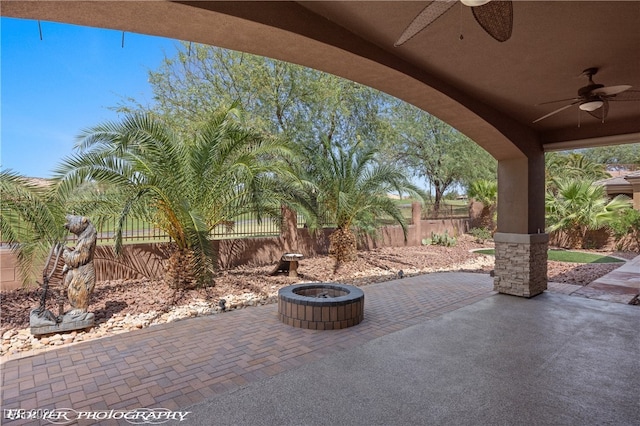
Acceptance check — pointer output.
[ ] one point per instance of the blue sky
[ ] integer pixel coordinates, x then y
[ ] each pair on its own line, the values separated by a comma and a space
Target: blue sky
52, 89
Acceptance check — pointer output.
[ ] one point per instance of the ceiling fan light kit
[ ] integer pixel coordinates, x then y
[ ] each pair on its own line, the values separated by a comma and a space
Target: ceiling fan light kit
474, 3
591, 105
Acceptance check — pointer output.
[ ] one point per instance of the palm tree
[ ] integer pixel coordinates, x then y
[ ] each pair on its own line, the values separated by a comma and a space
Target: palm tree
579, 206
572, 166
485, 192
348, 186
185, 182
31, 221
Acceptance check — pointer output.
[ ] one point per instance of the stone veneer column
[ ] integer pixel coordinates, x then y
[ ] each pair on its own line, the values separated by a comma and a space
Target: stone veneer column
521, 264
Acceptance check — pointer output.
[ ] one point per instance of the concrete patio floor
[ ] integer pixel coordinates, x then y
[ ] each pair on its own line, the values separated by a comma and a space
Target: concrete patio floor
620, 285
552, 360
433, 349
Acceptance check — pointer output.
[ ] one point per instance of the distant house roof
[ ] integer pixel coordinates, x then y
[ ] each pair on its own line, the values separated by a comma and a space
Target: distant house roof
620, 184
618, 180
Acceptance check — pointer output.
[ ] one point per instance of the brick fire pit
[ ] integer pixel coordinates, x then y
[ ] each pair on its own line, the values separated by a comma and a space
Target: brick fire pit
321, 306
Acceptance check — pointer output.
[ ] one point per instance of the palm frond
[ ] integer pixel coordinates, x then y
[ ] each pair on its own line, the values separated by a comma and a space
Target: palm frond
187, 181
31, 221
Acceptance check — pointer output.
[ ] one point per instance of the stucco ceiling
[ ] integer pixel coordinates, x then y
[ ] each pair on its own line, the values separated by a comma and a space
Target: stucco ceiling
487, 89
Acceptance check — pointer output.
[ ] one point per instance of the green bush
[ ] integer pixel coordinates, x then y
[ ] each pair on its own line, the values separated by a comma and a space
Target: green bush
481, 234
626, 230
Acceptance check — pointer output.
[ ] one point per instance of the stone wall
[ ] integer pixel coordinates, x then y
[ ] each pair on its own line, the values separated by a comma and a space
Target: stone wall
521, 264
9, 274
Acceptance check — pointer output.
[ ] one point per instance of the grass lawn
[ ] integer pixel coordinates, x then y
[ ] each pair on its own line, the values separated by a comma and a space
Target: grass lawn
569, 256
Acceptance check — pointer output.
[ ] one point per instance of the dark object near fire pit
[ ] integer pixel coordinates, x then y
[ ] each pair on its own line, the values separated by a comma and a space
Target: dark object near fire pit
321, 306
288, 263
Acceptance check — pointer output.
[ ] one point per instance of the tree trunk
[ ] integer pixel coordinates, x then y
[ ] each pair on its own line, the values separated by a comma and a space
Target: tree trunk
180, 269
437, 200
342, 246
575, 238
486, 217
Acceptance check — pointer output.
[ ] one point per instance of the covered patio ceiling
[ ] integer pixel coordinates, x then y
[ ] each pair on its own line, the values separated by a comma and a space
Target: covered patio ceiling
487, 89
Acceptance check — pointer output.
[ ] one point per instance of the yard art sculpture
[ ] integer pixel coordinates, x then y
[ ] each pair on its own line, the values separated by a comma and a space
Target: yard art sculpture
79, 280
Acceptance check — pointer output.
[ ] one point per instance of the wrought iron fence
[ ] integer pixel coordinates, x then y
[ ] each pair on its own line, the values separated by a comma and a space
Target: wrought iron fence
245, 226
325, 221
136, 230
446, 211
248, 226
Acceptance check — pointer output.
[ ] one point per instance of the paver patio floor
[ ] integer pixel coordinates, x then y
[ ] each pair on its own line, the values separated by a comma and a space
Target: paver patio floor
182, 363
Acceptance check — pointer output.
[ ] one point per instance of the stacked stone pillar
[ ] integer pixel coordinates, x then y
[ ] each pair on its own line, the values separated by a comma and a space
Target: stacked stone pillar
521, 264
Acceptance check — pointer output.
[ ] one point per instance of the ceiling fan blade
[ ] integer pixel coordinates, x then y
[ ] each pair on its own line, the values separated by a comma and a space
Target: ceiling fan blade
429, 14
610, 90
556, 111
628, 95
601, 113
496, 18
558, 100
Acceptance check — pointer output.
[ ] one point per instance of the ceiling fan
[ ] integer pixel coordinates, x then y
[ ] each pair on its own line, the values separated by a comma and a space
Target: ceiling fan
594, 98
495, 17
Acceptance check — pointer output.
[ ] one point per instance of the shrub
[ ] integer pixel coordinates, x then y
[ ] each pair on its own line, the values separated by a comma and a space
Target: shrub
579, 207
626, 230
481, 234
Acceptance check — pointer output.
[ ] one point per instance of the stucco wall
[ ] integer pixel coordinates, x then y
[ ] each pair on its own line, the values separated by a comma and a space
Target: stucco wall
146, 260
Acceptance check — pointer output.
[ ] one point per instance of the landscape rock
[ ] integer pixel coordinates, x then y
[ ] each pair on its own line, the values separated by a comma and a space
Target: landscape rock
7, 335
